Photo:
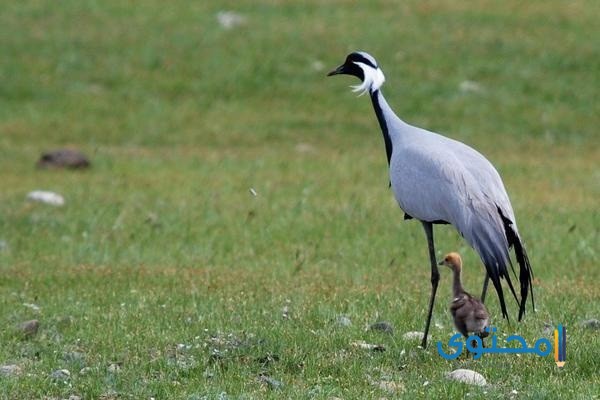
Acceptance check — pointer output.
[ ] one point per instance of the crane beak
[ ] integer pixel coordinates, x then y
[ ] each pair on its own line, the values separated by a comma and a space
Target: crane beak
441, 263
339, 70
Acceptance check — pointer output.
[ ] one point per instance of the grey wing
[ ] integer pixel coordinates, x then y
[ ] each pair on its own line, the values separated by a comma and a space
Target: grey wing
439, 179
493, 187
470, 204
488, 178
480, 223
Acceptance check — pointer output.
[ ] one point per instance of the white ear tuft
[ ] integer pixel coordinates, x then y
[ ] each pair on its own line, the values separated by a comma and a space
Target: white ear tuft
373, 80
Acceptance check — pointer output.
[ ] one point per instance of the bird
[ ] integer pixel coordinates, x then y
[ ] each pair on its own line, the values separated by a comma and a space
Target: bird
439, 180
468, 312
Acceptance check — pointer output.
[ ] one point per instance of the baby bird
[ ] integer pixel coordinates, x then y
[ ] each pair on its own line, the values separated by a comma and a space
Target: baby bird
469, 313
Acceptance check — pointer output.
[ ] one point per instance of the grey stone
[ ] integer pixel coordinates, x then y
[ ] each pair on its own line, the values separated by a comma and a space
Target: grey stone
29, 328
467, 376
10, 370
344, 321
60, 375
271, 382
63, 158
591, 324
382, 326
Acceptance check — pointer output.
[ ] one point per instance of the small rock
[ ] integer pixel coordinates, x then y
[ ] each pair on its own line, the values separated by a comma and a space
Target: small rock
361, 344
85, 370
467, 376
10, 370
469, 86
3, 245
32, 306
63, 158
318, 65
548, 329
64, 322
230, 19
344, 321
382, 326
109, 395
74, 397
60, 375
267, 359
46, 197
152, 219
271, 383
390, 386
414, 335
591, 324
114, 368
305, 148
29, 328
74, 357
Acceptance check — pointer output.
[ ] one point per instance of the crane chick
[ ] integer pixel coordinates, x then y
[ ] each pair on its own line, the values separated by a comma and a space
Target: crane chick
469, 313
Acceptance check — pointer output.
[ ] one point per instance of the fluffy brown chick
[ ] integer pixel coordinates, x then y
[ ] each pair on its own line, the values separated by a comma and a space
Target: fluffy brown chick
469, 313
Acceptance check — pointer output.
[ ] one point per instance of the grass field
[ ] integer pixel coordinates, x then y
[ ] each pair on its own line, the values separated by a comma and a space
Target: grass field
164, 277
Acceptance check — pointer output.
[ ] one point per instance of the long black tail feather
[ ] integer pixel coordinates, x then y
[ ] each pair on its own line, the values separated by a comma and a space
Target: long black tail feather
525, 270
525, 275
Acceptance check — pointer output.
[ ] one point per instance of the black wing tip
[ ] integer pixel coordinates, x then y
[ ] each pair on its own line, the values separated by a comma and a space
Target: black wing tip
526, 276
525, 270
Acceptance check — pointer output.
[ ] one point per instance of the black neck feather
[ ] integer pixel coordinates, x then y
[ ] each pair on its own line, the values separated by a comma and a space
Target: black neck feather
382, 124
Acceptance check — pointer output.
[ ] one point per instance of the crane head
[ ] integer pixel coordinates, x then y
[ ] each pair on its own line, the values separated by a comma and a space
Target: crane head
363, 66
453, 261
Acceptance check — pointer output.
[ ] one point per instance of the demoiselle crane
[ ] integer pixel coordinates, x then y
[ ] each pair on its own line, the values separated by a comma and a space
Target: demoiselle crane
437, 180
468, 312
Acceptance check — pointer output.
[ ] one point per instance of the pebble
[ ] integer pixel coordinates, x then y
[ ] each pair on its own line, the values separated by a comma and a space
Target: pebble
46, 197
344, 321
29, 328
230, 19
414, 335
74, 356
63, 158
114, 368
32, 306
390, 386
9, 370
591, 324
285, 312
60, 374
469, 86
318, 65
271, 382
467, 376
361, 344
382, 326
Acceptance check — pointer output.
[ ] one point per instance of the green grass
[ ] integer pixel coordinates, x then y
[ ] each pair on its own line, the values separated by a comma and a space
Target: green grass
163, 262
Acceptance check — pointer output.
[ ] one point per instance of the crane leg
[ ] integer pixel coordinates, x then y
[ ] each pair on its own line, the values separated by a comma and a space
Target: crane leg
435, 277
485, 285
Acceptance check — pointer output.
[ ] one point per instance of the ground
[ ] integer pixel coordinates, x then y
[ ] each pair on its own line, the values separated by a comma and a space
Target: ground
235, 235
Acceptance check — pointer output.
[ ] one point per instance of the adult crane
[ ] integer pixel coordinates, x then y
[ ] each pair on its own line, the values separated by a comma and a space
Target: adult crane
437, 180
